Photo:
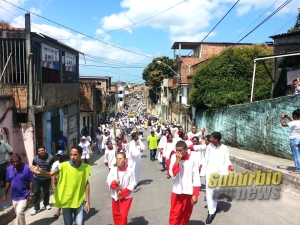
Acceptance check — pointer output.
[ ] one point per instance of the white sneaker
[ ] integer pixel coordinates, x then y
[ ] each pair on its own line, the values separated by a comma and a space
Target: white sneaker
33, 212
48, 207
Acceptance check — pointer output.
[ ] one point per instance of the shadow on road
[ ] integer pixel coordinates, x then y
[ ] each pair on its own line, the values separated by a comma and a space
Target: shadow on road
47, 220
91, 213
196, 222
144, 156
145, 182
138, 221
224, 206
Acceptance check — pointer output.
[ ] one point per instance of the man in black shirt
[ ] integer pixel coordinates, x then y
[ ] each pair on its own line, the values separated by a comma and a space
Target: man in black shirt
44, 161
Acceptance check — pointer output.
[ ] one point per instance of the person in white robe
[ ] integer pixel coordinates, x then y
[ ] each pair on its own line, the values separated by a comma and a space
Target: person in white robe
120, 180
216, 161
135, 149
186, 184
110, 155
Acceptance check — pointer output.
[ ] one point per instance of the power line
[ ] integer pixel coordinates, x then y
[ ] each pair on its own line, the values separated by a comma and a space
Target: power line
218, 22
221, 20
24, 20
266, 19
125, 73
115, 46
282, 27
131, 67
255, 20
133, 23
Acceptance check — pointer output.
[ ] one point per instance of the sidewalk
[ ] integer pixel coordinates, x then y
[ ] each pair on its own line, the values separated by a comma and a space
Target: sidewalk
255, 161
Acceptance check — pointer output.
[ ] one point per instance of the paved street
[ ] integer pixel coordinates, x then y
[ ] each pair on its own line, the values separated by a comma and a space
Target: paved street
152, 197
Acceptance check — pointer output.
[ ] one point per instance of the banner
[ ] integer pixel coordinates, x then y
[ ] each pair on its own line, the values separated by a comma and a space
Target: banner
70, 62
50, 57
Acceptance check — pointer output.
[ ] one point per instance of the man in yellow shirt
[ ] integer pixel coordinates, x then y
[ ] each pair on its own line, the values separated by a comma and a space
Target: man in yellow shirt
152, 145
72, 188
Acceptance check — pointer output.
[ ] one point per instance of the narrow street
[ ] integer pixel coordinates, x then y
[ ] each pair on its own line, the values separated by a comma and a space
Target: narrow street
152, 198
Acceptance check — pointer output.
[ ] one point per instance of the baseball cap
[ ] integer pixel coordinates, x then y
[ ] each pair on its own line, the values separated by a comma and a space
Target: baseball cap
83, 137
60, 152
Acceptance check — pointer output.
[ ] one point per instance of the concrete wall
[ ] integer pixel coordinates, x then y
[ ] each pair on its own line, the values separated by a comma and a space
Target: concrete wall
58, 95
254, 126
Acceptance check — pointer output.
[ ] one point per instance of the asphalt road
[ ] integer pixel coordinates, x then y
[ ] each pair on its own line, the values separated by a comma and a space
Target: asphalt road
151, 203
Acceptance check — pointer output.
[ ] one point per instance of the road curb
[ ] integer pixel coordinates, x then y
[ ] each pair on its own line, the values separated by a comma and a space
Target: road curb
287, 178
7, 216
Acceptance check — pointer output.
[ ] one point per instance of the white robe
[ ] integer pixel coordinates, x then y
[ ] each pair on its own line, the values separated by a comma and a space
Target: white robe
216, 161
191, 135
161, 146
188, 176
168, 149
110, 157
200, 154
126, 181
134, 158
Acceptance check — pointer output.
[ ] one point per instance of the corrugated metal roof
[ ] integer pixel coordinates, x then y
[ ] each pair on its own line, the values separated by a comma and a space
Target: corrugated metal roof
284, 34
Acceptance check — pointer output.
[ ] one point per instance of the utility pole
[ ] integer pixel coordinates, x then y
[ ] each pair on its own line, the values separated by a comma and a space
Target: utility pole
179, 84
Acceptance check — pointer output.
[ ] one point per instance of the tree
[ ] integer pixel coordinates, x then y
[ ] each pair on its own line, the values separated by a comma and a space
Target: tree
296, 27
154, 73
4, 23
225, 79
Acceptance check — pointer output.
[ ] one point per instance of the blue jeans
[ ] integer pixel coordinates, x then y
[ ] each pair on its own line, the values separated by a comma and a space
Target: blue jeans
70, 215
152, 154
295, 147
163, 163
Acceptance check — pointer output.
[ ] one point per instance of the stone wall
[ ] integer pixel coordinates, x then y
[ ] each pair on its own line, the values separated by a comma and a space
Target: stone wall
254, 126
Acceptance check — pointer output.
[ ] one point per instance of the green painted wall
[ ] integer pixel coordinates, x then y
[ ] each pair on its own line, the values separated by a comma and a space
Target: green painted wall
254, 126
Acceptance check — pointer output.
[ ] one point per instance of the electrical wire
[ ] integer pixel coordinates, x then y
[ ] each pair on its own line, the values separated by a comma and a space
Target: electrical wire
282, 27
119, 63
133, 23
255, 20
131, 67
266, 19
115, 46
218, 23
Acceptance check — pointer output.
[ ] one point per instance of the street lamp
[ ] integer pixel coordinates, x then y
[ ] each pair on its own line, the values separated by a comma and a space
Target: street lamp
179, 86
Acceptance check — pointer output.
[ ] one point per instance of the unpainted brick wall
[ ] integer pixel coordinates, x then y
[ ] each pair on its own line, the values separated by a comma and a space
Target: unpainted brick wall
254, 126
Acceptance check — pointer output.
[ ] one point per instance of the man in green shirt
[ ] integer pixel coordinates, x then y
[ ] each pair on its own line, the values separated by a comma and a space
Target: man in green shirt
152, 145
72, 188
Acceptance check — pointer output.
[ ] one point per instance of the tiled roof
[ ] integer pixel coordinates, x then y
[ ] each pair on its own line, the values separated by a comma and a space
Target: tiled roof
11, 28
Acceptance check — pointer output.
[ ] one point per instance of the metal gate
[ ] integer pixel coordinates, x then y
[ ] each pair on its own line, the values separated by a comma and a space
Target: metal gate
73, 130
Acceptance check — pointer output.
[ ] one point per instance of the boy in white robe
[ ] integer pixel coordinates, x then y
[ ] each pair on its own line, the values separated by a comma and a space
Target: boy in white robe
186, 184
121, 182
216, 161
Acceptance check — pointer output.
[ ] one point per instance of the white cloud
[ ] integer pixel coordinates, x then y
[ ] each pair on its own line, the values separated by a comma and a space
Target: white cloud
187, 21
8, 11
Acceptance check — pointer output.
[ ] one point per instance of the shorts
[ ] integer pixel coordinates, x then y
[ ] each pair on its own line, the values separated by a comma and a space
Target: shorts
85, 155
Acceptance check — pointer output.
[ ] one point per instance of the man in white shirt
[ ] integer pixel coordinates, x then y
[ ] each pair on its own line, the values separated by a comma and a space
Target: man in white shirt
186, 184
194, 133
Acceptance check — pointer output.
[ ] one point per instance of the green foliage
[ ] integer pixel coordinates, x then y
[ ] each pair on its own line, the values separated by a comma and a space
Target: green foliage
226, 79
297, 24
154, 74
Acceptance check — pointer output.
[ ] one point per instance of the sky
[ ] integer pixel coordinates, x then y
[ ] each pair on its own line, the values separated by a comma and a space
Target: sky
124, 36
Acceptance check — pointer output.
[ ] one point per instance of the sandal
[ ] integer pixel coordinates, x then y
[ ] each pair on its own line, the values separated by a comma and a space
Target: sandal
56, 215
168, 177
